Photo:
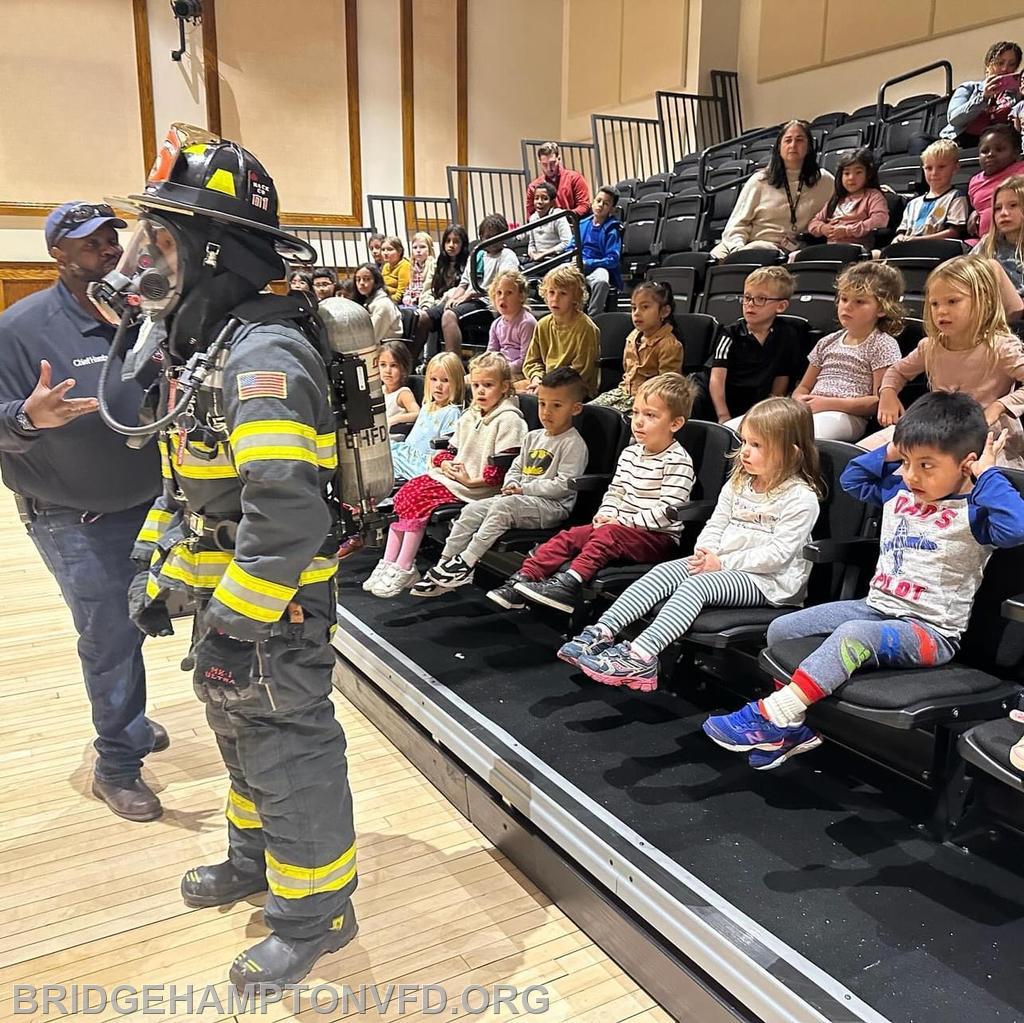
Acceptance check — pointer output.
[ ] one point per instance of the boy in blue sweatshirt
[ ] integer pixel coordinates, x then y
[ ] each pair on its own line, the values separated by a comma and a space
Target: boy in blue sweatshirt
602, 249
944, 510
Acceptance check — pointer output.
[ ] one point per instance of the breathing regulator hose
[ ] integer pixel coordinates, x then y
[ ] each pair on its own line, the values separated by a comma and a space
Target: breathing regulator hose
192, 376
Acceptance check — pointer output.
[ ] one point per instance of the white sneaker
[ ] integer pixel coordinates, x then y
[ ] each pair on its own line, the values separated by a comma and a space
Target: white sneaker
376, 575
395, 581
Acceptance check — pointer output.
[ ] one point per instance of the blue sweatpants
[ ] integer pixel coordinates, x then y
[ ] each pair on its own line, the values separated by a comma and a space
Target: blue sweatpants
857, 637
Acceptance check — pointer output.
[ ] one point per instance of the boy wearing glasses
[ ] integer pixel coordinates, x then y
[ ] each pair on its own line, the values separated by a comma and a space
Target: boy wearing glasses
756, 356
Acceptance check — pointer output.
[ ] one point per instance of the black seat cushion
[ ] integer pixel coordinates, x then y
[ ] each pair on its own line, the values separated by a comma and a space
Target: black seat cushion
994, 739
720, 619
893, 690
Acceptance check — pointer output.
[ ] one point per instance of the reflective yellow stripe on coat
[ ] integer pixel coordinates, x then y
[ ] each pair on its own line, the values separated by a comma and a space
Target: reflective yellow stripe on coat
281, 440
153, 528
241, 811
291, 882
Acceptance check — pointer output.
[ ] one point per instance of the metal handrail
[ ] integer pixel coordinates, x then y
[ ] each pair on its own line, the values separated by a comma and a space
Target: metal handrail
703, 160
880, 117
576, 252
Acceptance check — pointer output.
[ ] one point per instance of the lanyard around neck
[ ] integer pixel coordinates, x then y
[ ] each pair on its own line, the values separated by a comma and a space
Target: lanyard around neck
793, 203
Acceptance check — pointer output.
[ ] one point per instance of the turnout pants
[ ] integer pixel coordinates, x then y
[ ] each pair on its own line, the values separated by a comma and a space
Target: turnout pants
289, 807
482, 523
857, 636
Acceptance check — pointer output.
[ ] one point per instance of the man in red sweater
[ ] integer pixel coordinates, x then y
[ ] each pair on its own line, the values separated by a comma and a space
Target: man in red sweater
571, 189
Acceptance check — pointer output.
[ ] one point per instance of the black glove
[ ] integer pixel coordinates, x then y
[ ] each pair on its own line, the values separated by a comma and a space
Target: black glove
224, 667
150, 616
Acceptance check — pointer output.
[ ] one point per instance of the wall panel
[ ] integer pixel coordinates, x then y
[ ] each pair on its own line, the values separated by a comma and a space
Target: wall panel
953, 15
791, 37
853, 29
592, 31
434, 97
654, 43
54, 61
289, 106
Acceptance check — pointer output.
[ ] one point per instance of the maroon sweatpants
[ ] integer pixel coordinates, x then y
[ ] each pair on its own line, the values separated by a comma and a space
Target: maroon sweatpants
594, 547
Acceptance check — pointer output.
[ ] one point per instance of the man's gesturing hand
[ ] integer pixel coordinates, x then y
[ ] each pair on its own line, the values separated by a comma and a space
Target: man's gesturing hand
47, 407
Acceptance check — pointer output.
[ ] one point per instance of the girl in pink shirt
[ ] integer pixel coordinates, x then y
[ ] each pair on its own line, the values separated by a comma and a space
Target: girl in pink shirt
858, 208
999, 158
512, 332
969, 348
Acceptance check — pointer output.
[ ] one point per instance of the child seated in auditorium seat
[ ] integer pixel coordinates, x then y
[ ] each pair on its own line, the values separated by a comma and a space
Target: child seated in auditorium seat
550, 239
535, 494
999, 159
632, 523
945, 508
857, 208
651, 348
601, 243
513, 330
942, 211
750, 553
755, 357
846, 368
566, 337
444, 392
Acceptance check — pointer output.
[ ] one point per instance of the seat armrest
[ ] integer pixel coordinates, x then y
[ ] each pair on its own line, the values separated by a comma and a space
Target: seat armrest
502, 461
1013, 608
859, 551
692, 511
590, 483
440, 443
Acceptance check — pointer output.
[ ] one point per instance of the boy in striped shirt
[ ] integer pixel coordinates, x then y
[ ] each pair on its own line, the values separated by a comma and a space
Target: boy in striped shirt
631, 525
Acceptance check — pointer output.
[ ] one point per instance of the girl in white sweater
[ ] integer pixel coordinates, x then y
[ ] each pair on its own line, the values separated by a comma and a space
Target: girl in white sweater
749, 554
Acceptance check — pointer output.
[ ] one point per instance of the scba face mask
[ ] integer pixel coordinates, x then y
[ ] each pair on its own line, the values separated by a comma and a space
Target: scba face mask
150, 277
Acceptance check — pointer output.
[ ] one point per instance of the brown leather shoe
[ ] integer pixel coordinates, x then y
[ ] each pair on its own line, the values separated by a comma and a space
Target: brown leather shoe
134, 802
161, 740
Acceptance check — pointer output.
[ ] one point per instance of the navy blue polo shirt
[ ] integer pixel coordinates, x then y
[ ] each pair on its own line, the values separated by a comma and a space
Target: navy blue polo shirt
84, 464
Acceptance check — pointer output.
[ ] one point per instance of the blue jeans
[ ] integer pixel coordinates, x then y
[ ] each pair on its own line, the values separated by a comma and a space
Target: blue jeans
92, 565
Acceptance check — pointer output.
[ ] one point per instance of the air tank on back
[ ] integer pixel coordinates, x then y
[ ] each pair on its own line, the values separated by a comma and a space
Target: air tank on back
365, 474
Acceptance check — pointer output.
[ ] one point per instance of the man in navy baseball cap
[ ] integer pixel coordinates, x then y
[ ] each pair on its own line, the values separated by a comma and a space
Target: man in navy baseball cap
77, 219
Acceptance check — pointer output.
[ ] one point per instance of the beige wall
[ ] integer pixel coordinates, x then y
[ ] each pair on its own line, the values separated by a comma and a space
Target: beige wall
616, 54
851, 83
515, 54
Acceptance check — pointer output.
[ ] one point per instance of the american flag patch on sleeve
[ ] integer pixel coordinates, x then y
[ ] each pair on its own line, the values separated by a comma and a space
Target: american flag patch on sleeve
262, 384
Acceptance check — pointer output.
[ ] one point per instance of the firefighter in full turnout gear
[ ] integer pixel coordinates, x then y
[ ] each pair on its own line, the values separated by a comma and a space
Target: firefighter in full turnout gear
248, 449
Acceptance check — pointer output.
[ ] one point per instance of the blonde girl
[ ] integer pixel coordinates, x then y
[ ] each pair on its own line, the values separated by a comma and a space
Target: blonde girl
421, 271
444, 392
750, 553
491, 425
968, 348
846, 368
394, 363
512, 332
1002, 244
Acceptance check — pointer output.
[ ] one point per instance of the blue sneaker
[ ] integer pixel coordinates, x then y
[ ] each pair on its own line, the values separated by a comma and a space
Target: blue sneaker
620, 666
592, 640
799, 740
746, 729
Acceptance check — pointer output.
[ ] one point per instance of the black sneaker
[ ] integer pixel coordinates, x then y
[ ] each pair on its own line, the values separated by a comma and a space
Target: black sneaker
561, 591
506, 596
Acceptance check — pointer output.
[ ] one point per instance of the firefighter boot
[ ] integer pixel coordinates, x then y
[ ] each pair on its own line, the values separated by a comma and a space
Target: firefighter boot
277, 961
219, 885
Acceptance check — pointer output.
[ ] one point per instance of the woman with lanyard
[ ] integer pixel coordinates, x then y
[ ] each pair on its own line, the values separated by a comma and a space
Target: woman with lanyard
776, 204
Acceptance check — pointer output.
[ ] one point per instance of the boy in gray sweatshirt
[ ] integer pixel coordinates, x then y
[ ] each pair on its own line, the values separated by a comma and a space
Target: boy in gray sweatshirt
535, 494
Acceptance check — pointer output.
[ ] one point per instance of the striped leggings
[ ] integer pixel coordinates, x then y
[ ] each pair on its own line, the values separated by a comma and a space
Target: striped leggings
685, 597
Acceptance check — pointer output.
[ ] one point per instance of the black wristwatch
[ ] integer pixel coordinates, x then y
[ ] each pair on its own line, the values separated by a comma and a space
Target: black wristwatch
23, 421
